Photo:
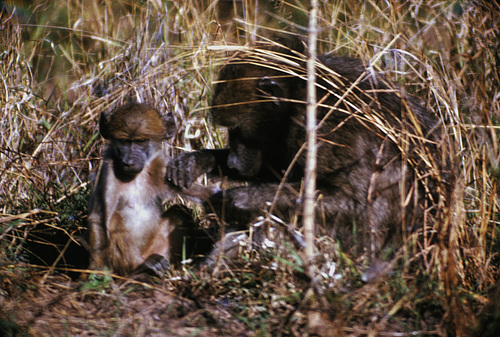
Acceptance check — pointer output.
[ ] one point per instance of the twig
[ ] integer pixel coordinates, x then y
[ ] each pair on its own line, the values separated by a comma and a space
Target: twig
310, 171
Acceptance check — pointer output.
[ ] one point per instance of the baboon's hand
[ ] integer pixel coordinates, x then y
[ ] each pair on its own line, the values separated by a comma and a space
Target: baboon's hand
185, 168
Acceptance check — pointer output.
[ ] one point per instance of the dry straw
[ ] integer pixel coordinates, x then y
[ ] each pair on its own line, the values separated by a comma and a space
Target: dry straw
62, 63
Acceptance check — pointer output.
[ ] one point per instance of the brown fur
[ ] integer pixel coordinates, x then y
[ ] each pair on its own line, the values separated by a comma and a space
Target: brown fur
128, 227
137, 122
371, 147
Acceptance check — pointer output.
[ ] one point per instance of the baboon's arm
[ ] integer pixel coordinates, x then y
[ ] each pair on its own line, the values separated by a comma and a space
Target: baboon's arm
241, 205
96, 219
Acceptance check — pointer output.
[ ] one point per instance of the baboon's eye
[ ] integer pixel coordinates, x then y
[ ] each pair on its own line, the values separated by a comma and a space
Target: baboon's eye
270, 86
123, 142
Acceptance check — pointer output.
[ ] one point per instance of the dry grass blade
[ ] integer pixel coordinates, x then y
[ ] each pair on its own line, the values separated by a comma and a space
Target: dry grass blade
64, 62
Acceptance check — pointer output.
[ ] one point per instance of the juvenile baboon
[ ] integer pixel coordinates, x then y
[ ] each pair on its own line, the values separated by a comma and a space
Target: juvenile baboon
129, 230
375, 145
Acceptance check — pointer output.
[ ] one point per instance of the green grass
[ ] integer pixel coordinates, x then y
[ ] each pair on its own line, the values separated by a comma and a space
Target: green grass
64, 62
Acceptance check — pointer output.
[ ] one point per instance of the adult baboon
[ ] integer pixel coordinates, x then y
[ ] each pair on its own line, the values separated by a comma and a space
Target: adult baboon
129, 230
376, 145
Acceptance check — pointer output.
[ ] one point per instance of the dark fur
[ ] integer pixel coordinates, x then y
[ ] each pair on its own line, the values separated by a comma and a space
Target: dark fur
360, 167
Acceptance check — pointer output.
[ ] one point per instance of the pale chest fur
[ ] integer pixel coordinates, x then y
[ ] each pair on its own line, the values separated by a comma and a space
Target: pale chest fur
137, 202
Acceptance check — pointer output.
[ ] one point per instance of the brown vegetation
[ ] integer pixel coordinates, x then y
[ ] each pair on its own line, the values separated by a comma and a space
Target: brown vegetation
63, 62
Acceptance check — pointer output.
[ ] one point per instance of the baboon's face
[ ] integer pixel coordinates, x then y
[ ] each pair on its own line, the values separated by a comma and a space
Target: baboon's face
135, 132
130, 156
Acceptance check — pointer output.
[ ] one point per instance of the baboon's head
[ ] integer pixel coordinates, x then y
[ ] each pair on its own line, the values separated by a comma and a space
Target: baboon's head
257, 95
137, 122
245, 89
135, 132
261, 81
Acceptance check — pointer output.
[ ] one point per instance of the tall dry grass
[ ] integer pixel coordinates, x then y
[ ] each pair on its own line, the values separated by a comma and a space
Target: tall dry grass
64, 62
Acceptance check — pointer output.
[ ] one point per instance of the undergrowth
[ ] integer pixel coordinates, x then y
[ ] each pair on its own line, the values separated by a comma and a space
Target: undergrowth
62, 63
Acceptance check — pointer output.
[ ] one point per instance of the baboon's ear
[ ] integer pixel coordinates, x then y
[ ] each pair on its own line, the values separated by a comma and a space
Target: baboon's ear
271, 87
169, 125
104, 121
